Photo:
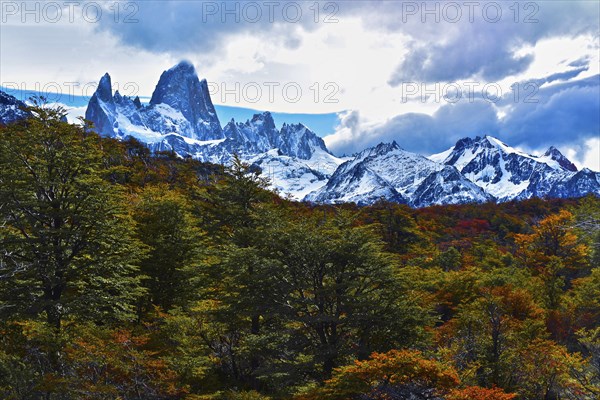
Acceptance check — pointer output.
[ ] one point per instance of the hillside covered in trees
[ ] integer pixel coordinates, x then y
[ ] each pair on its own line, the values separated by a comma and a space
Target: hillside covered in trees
131, 275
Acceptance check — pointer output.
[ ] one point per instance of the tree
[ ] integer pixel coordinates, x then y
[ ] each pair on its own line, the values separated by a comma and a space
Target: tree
66, 243
238, 320
487, 333
555, 253
166, 225
31, 360
397, 225
108, 364
479, 393
236, 295
553, 236
545, 370
449, 260
229, 210
399, 375
587, 224
589, 376
339, 291
584, 300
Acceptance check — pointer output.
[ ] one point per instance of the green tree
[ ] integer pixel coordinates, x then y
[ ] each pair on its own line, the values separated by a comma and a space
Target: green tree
590, 376
66, 242
587, 224
229, 210
236, 296
449, 260
397, 225
340, 294
166, 225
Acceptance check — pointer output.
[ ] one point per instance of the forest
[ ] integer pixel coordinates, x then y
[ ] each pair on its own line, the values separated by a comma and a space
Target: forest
130, 275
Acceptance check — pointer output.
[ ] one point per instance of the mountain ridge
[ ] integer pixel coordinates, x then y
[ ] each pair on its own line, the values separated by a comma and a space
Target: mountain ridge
181, 117
510, 174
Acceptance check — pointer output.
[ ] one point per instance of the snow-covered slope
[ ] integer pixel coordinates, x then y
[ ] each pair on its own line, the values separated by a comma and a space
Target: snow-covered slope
386, 171
11, 109
508, 173
181, 118
293, 176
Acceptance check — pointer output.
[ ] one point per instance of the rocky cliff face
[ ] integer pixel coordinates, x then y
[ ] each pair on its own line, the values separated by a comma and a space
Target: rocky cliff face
181, 89
181, 118
180, 105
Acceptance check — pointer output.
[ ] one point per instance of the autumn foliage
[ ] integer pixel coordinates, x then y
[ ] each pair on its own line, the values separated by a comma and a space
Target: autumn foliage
130, 275
479, 393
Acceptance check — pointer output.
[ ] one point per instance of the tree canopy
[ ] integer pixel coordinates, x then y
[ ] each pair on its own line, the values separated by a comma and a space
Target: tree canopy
132, 275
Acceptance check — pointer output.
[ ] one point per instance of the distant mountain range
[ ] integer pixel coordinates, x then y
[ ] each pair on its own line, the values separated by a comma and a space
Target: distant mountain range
180, 117
474, 170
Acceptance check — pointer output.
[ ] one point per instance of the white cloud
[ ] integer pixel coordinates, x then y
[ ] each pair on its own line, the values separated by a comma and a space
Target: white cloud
73, 58
353, 62
588, 156
358, 55
591, 158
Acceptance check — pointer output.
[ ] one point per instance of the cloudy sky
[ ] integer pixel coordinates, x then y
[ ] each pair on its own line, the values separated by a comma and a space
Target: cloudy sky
422, 73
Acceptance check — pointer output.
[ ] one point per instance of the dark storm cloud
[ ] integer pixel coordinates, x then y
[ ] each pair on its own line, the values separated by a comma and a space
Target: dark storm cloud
564, 114
182, 26
438, 52
487, 49
476, 44
423, 133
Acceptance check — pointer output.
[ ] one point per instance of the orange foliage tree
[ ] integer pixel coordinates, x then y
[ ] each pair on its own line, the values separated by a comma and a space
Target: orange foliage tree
398, 374
479, 393
118, 364
553, 239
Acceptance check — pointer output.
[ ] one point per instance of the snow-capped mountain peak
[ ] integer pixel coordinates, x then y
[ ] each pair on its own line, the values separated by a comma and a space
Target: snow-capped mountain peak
181, 89
263, 118
554, 154
104, 90
388, 171
300, 141
384, 148
381, 149
506, 172
180, 109
181, 118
